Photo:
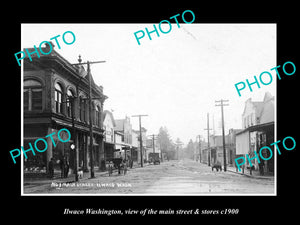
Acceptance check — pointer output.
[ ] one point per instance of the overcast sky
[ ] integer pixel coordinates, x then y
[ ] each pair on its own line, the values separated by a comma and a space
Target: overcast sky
174, 78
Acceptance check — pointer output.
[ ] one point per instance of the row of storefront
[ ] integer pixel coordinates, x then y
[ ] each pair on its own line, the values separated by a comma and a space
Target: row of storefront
258, 131
58, 94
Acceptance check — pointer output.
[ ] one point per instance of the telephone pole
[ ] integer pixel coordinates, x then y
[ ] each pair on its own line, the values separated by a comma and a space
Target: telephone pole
90, 112
141, 139
70, 100
208, 147
223, 131
178, 144
154, 137
199, 148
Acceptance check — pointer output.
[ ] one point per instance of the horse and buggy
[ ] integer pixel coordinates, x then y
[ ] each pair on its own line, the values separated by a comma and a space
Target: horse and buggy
117, 164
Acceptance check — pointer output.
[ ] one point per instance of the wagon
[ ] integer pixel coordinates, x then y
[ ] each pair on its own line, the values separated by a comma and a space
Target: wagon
154, 158
116, 163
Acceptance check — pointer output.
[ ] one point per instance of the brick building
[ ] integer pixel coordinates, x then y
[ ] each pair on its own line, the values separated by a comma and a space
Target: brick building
50, 84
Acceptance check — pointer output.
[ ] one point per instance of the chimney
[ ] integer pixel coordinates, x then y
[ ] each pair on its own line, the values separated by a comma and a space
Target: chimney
48, 46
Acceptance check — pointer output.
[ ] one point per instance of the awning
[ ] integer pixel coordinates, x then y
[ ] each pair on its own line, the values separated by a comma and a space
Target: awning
243, 137
259, 127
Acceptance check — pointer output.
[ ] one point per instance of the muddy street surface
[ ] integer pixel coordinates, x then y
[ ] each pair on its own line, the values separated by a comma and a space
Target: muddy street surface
183, 177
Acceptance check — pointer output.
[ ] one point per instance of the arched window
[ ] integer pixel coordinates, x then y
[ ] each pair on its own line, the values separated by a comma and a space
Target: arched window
58, 98
32, 95
69, 102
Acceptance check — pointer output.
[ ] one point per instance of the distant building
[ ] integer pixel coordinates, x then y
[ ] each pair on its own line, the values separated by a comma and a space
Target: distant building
216, 148
118, 137
123, 130
124, 126
231, 138
109, 134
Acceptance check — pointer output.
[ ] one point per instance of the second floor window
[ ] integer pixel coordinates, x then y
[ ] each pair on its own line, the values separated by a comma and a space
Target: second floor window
58, 98
32, 95
97, 116
82, 109
69, 102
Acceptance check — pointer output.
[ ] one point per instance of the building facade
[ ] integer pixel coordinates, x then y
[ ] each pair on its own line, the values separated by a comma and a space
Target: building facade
109, 134
216, 152
56, 96
258, 122
123, 130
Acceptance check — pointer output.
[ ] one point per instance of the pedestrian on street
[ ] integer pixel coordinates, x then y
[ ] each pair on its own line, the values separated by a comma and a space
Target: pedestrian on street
131, 163
62, 167
125, 166
51, 168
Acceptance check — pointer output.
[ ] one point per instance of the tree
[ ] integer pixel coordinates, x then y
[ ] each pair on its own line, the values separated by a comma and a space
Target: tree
178, 145
166, 145
189, 150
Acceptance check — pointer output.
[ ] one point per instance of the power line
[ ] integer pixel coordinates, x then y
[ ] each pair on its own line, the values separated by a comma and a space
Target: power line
141, 139
90, 112
208, 147
223, 131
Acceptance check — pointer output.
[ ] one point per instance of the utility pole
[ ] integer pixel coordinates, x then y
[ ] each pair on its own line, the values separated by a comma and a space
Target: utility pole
70, 100
199, 148
153, 144
208, 147
223, 131
90, 112
154, 137
161, 153
141, 139
178, 144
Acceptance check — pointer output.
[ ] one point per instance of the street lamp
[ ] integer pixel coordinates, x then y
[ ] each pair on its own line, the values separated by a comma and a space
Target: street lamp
75, 161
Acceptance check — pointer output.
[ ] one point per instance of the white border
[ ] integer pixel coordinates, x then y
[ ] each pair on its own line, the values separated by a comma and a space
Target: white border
211, 194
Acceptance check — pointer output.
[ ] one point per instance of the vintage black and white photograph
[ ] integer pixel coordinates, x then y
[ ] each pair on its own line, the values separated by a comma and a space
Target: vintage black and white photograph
161, 109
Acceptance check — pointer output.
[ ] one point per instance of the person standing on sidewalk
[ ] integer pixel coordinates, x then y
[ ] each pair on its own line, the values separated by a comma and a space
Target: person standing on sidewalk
131, 163
66, 170
51, 168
